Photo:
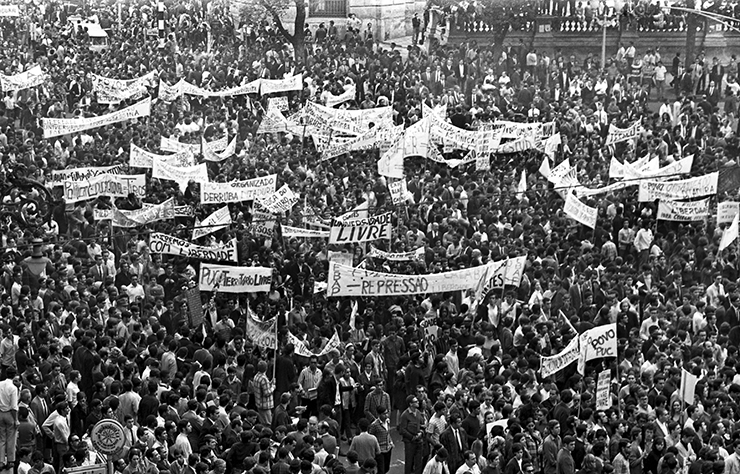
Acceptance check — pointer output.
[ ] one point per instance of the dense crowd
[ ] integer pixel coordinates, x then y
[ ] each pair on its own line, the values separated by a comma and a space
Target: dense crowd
96, 326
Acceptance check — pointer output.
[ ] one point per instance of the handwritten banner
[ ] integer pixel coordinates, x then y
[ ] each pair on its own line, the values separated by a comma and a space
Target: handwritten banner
237, 191
54, 127
24, 80
262, 333
726, 211
105, 185
231, 279
137, 217
362, 230
58, 177
334, 100
396, 256
263, 224
271, 86
596, 343
281, 200
617, 135
603, 401
553, 364
683, 211
140, 158
677, 190
181, 175
580, 212
220, 219
167, 244
114, 91
291, 232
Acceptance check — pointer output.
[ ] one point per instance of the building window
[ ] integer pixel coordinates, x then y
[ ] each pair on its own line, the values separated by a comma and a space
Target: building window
327, 8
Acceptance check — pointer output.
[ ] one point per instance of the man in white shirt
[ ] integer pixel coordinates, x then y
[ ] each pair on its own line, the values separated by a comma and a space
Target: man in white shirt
716, 291
9, 397
643, 241
470, 465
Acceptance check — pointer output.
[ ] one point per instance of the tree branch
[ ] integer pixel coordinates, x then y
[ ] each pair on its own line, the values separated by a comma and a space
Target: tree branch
278, 22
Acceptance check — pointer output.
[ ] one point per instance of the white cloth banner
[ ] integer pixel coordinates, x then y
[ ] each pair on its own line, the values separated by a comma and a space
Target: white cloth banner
683, 211
231, 279
500, 273
399, 192
596, 343
167, 244
108, 185
114, 91
726, 211
350, 122
134, 218
349, 281
263, 224
261, 333
220, 219
586, 192
210, 155
687, 391
616, 168
237, 191
381, 136
730, 234
677, 190
273, 122
140, 158
291, 232
553, 364
617, 135
417, 254
362, 230
302, 349
9, 10
54, 127
281, 200
24, 80
182, 176
58, 177
334, 100
577, 210
682, 166
603, 400
271, 86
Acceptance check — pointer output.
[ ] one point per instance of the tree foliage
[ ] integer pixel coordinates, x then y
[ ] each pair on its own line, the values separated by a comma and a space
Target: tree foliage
257, 12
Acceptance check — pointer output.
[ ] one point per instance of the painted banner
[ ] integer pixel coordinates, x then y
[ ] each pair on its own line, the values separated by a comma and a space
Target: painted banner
182, 176
228, 152
500, 273
167, 244
580, 212
682, 166
54, 127
273, 122
137, 217
603, 400
343, 258
243, 89
596, 343
9, 10
358, 212
168, 93
683, 211
587, 192
280, 201
140, 158
176, 146
271, 86
290, 232
413, 142
263, 224
58, 177
261, 333
730, 233
105, 185
553, 364
380, 136
365, 229
231, 279
417, 254
280, 103
350, 122
726, 211
238, 191
334, 100
399, 191
115, 91
677, 190
24, 80
220, 219
301, 348
349, 281
616, 168
617, 135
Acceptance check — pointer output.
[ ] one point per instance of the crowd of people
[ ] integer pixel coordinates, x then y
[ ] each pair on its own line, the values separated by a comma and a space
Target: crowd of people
97, 326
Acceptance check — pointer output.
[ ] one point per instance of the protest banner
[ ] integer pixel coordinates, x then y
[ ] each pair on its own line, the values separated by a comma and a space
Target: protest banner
677, 190
682, 166
362, 230
184, 211
729, 179
553, 364
598, 342
115, 91
195, 307
346, 96
133, 218
9, 11
617, 134
238, 191
280, 201
175, 146
168, 93
579, 211
500, 273
220, 219
232, 279
261, 333
58, 177
291, 232
273, 122
730, 233
350, 122
185, 88
108, 185
263, 224
726, 211
582, 191
557, 173
271, 86
396, 256
603, 399
683, 211
344, 258
181, 175
301, 348
140, 158
616, 169
687, 390
355, 281
54, 127
381, 136
280, 103
24, 80
210, 155
167, 244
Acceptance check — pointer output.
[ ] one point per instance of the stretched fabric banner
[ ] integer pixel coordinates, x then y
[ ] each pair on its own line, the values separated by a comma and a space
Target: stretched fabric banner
58, 177
617, 135
730, 233
302, 349
281, 200
682, 166
137, 217
182, 176
184, 211
596, 343
228, 152
263, 224
231, 279
580, 212
54, 127
169, 93
237, 191
417, 254
553, 364
167, 244
140, 158
220, 219
350, 281
334, 100
381, 136
9, 10
176, 146
271, 86
24, 80
350, 122
413, 142
273, 122
280, 103
105, 185
344, 258
362, 230
290, 232
726, 211
677, 190
587, 192
114, 91
500, 273
262, 333
616, 168
683, 211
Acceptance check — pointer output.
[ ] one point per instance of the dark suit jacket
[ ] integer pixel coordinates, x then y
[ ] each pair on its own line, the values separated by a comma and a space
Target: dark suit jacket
455, 458
512, 467
97, 274
37, 407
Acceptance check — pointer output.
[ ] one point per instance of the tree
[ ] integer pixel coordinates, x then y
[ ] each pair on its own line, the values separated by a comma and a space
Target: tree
692, 21
254, 11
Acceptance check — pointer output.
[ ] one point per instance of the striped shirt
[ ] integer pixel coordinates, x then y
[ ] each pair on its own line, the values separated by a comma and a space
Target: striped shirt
309, 380
263, 391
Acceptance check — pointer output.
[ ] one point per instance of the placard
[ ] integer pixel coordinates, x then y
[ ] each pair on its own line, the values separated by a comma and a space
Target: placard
280, 103
683, 211
167, 244
262, 333
280, 201
232, 279
598, 342
105, 185
726, 211
263, 224
195, 307
603, 400
366, 229
237, 191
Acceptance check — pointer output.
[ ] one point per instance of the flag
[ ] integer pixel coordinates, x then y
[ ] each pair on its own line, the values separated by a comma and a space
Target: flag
616, 169
567, 321
545, 167
688, 386
552, 144
522, 187
730, 234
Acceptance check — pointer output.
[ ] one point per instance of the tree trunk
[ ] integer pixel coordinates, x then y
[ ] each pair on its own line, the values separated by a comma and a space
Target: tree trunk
299, 34
692, 21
